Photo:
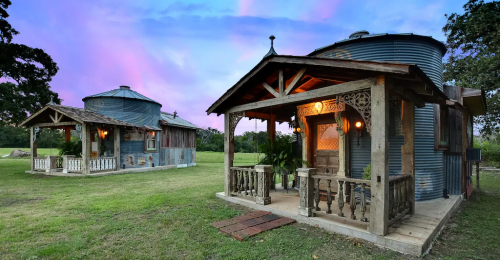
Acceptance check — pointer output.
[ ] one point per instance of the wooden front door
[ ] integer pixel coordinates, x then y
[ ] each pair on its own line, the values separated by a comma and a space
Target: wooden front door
326, 150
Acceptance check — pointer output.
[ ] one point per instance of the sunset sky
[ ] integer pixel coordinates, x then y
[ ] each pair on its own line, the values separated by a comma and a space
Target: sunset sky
186, 54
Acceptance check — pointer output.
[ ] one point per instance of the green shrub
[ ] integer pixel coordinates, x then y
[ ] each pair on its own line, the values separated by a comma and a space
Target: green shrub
73, 147
367, 172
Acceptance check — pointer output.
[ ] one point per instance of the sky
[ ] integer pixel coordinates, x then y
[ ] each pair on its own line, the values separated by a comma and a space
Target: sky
186, 54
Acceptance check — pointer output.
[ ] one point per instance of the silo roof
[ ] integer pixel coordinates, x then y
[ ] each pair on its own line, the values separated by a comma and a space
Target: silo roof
122, 92
364, 37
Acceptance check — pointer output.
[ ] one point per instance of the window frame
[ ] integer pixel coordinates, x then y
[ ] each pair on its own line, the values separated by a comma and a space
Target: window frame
443, 128
147, 139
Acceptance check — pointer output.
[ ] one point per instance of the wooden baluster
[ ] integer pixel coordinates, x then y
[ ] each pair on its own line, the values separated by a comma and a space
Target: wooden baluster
242, 180
329, 196
256, 183
316, 199
402, 203
363, 203
391, 200
250, 173
234, 174
245, 173
340, 199
408, 187
353, 200
396, 198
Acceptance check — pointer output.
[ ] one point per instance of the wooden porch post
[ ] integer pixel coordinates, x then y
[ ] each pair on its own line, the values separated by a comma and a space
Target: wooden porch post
116, 149
271, 127
68, 134
379, 214
228, 154
32, 148
408, 149
85, 149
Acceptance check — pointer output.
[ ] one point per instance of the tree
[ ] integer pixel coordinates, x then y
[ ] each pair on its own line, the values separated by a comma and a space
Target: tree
27, 72
473, 39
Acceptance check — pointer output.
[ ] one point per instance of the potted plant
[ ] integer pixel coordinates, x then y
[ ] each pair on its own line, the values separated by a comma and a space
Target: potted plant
279, 154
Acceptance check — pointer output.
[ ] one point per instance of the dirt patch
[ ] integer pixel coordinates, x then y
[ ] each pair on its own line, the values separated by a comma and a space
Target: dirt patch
6, 202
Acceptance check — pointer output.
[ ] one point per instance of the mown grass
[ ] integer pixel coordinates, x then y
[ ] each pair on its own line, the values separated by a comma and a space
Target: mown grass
165, 215
474, 232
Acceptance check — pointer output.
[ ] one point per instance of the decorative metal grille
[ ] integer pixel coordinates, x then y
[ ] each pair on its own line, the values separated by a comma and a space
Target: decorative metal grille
328, 137
234, 119
361, 101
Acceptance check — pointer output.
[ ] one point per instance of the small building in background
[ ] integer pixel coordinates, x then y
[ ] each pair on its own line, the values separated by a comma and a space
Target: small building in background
120, 129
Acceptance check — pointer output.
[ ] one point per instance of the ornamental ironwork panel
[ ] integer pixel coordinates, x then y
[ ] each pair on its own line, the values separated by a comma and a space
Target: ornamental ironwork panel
361, 101
323, 107
234, 119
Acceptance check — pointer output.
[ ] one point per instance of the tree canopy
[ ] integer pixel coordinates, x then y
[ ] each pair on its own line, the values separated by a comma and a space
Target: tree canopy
26, 73
473, 40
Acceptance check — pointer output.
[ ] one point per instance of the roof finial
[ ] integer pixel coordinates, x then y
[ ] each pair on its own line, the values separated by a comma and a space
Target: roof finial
175, 114
51, 101
271, 51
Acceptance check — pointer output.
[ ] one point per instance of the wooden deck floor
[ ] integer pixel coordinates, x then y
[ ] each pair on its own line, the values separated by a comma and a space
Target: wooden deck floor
411, 235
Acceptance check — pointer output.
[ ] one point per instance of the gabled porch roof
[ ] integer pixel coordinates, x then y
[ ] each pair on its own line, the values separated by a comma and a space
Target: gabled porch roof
302, 73
69, 116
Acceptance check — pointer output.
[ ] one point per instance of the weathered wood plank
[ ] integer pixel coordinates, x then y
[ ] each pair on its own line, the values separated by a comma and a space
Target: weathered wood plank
359, 65
295, 80
270, 89
228, 156
281, 82
322, 92
408, 149
379, 215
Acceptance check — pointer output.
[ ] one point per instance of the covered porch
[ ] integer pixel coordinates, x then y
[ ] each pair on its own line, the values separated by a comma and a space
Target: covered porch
346, 99
94, 131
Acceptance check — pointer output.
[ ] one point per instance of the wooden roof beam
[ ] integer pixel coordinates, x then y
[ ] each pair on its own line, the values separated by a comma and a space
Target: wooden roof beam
296, 80
270, 89
312, 94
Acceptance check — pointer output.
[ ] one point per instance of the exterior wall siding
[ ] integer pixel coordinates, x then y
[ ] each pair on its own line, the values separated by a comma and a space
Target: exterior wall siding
179, 156
453, 173
429, 164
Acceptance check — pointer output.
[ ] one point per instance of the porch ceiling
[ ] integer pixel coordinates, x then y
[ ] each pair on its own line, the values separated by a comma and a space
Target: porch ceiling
66, 115
302, 74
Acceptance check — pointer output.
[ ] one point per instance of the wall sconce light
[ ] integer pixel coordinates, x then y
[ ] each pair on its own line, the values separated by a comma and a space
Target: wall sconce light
359, 128
318, 106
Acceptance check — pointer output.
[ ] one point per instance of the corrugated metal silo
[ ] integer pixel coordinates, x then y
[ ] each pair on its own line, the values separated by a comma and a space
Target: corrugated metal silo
427, 53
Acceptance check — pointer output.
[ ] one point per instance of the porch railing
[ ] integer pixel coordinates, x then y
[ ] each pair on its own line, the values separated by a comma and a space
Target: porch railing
40, 163
251, 181
399, 197
348, 189
47, 163
75, 164
102, 164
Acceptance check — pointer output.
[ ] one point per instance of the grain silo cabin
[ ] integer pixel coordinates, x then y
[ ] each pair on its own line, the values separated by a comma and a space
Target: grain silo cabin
121, 131
373, 100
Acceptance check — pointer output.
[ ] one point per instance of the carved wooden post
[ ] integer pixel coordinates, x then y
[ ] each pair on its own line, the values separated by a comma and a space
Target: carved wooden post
379, 210
353, 200
263, 171
317, 195
329, 196
363, 203
340, 200
306, 191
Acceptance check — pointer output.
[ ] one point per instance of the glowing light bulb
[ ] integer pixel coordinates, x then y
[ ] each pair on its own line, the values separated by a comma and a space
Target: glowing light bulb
358, 124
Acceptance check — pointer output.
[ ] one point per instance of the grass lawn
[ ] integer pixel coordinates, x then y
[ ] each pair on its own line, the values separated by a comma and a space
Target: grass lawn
167, 215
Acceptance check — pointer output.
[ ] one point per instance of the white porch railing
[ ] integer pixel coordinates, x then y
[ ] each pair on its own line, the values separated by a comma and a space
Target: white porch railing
41, 163
75, 165
102, 164
47, 163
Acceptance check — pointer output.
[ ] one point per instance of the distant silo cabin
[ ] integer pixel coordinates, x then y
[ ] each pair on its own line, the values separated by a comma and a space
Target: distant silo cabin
120, 130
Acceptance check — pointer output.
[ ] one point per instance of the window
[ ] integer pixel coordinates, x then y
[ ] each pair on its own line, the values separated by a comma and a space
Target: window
328, 137
151, 140
444, 127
